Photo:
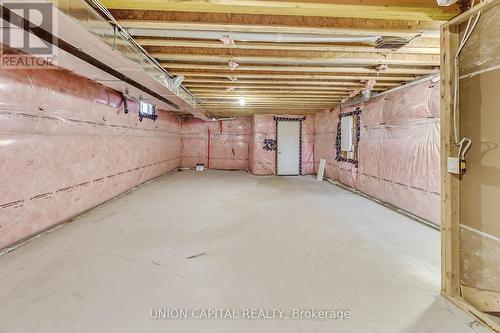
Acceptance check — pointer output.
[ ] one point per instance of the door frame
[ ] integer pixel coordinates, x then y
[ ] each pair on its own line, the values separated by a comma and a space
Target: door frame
276, 120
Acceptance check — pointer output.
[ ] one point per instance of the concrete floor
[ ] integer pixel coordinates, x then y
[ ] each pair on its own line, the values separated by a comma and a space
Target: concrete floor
269, 243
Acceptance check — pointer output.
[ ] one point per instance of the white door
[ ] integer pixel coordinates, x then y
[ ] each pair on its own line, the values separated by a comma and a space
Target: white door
288, 148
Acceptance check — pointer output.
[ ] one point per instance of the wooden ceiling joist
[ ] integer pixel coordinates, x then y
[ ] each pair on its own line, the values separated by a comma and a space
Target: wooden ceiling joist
340, 59
221, 96
270, 87
293, 56
291, 76
282, 46
296, 83
348, 23
351, 8
213, 55
308, 69
336, 31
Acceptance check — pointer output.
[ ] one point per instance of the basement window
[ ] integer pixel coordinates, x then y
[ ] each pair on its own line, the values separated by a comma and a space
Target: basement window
346, 144
147, 110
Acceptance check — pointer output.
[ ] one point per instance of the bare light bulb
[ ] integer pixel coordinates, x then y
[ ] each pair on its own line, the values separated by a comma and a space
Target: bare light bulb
242, 101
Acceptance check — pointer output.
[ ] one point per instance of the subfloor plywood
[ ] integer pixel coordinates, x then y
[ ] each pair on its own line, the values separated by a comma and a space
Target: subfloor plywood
268, 242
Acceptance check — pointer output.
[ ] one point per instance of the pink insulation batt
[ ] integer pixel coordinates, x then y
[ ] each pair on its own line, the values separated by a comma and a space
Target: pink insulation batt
66, 145
229, 143
238, 144
398, 151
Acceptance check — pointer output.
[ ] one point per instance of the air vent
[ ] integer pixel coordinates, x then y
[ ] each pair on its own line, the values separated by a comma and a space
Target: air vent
390, 43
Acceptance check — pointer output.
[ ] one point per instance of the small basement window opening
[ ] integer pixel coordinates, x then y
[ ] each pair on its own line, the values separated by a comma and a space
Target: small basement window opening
147, 110
348, 130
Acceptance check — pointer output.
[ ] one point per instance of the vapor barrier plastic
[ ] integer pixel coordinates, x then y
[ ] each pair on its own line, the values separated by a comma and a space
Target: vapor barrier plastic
218, 145
66, 145
262, 157
398, 151
240, 144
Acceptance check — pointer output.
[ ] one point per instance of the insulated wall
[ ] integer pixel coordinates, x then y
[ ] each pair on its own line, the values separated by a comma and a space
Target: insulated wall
239, 144
66, 145
398, 149
263, 157
218, 145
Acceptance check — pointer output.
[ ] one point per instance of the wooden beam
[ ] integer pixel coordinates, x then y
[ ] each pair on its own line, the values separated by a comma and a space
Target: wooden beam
282, 46
249, 112
235, 97
297, 83
303, 59
221, 96
274, 105
337, 31
483, 300
291, 76
196, 86
310, 69
260, 92
450, 184
271, 101
332, 23
322, 57
288, 8
483, 318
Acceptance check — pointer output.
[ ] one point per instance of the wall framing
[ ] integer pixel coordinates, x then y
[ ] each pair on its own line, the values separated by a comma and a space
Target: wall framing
450, 184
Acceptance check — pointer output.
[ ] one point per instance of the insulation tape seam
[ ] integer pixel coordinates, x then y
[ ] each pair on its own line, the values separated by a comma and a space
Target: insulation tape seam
46, 195
84, 122
417, 122
386, 204
61, 224
400, 184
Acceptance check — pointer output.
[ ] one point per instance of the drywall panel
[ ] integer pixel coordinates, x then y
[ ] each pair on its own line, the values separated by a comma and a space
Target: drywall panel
66, 145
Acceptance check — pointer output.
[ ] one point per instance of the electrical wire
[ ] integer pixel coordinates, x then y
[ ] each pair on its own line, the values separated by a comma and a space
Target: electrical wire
464, 144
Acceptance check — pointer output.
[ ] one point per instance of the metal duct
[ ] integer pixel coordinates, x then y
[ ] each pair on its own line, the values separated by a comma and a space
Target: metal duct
252, 36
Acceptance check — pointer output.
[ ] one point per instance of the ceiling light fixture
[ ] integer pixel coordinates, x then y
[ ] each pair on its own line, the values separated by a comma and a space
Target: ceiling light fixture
242, 101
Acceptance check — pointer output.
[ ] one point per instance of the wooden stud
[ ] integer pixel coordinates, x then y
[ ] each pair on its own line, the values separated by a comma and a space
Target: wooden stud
450, 201
483, 300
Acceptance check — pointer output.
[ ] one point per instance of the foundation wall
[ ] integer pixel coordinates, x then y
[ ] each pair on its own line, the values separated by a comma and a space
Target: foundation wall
66, 145
226, 142
240, 144
398, 150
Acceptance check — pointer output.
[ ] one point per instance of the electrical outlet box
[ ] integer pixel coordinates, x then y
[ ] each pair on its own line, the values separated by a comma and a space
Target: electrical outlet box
456, 166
